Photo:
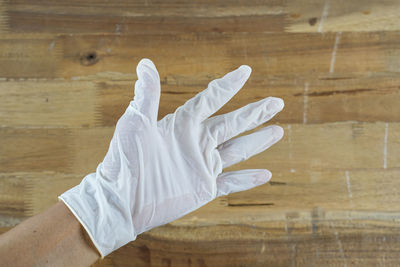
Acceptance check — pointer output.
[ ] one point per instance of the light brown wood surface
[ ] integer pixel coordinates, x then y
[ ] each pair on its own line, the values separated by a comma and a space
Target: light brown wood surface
67, 73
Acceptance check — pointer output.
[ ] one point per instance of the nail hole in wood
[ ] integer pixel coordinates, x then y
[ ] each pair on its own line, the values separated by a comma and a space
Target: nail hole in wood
312, 21
89, 58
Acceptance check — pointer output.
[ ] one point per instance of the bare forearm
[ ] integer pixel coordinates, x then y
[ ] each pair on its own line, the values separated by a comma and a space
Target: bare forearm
52, 238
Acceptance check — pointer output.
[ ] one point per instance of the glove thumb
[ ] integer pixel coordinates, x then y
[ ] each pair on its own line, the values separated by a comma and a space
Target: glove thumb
147, 89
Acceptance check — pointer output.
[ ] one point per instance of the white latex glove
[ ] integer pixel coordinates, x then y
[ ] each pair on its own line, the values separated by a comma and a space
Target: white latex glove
157, 171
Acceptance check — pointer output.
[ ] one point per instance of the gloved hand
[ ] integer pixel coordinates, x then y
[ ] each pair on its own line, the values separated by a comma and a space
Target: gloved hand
157, 171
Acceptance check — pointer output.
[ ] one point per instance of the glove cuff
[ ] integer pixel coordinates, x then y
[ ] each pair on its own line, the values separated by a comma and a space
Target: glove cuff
105, 217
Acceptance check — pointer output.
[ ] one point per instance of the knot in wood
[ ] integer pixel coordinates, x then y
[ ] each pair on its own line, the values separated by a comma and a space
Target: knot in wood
89, 58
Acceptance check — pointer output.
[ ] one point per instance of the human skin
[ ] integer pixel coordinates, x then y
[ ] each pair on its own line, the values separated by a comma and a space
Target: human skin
52, 238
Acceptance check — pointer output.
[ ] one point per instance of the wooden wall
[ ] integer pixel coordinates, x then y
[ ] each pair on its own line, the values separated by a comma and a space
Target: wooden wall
67, 71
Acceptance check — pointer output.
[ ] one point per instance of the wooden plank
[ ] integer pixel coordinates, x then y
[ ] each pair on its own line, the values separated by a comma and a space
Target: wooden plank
293, 55
336, 146
48, 22
201, 8
342, 15
333, 248
101, 101
213, 16
352, 194
142, 17
76, 23
296, 56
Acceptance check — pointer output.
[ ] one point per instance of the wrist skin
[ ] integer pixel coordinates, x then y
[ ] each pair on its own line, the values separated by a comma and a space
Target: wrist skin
52, 238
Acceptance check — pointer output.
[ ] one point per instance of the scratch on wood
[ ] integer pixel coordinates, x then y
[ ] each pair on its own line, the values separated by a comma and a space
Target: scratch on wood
245, 49
349, 187
176, 92
118, 28
262, 248
294, 254
265, 57
249, 204
277, 183
335, 47
323, 16
383, 260
51, 46
329, 93
313, 228
385, 145
339, 242
289, 134
305, 104
334, 78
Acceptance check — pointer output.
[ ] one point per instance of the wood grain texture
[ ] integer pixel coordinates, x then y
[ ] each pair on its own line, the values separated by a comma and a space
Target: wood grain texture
3, 17
67, 73
342, 15
127, 17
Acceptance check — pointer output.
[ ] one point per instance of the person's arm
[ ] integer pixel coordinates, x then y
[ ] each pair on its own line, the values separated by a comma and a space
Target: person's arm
52, 238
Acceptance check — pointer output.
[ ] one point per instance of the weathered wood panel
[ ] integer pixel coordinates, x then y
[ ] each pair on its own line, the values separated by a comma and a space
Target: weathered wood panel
328, 249
296, 56
124, 17
342, 15
350, 194
337, 146
100, 102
